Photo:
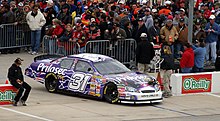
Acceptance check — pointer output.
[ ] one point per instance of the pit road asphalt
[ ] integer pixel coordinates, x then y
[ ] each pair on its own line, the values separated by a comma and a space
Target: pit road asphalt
45, 106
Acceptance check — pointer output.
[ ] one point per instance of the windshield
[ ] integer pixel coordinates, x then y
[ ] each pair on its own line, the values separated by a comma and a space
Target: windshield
110, 67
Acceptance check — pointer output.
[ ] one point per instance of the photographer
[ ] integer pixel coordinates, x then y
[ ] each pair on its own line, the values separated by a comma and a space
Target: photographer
117, 32
199, 55
212, 30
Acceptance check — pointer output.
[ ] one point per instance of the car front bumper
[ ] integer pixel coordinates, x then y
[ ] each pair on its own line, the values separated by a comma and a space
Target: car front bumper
128, 97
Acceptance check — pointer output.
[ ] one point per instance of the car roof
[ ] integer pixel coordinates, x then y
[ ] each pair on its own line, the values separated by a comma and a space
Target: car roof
92, 57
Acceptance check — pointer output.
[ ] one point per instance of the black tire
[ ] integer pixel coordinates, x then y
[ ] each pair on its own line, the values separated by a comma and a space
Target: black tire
111, 93
51, 82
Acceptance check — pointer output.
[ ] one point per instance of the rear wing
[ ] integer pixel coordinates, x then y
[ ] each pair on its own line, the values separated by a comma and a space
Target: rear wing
47, 56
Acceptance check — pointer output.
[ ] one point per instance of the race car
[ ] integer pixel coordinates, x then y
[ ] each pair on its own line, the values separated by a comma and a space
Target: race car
94, 75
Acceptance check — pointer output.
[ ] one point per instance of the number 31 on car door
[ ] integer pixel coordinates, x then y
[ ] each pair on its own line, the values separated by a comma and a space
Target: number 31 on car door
78, 82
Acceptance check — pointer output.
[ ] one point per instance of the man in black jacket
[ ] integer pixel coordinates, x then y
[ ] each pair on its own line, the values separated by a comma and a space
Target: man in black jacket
16, 78
144, 54
141, 28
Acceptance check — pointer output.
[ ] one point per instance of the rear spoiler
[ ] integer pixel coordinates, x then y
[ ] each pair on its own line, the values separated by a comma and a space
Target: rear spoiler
47, 56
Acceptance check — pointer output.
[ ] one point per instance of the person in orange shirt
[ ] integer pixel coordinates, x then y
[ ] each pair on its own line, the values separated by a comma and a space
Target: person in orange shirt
166, 10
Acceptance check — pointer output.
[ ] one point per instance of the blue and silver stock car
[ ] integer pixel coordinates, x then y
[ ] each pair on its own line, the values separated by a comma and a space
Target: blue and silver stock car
94, 75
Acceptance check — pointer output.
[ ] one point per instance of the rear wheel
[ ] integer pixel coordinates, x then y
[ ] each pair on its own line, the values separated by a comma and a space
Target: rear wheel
51, 82
111, 93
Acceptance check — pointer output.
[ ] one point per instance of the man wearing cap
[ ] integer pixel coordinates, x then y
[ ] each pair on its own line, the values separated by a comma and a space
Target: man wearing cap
182, 30
183, 15
176, 18
212, 29
50, 12
65, 15
169, 34
16, 78
79, 9
198, 17
166, 9
117, 32
19, 14
149, 23
207, 12
198, 33
141, 28
144, 54
80, 36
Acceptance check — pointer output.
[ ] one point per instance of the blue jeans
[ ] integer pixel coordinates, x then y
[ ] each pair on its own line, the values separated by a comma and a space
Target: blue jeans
186, 70
82, 50
213, 51
51, 46
35, 40
61, 51
178, 47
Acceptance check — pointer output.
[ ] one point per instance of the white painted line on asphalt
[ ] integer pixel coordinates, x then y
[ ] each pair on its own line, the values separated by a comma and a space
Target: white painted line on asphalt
213, 95
26, 114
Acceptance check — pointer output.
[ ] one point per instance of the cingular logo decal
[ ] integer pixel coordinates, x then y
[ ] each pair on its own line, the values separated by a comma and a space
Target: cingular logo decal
196, 83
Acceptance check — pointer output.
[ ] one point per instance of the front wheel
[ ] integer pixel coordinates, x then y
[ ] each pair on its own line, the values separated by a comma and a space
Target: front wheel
111, 93
51, 82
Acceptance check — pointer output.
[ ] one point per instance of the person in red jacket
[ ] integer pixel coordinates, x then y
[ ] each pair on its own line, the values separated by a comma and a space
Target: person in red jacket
58, 28
58, 31
187, 60
207, 12
80, 37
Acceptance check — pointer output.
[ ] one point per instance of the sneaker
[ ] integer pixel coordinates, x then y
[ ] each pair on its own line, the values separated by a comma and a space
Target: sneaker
165, 96
29, 52
14, 103
23, 103
34, 53
169, 95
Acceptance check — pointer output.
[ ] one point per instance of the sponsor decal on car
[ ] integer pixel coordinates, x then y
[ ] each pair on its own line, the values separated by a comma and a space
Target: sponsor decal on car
91, 93
150, 95
92, 87
97, 90
196, 83
49, 68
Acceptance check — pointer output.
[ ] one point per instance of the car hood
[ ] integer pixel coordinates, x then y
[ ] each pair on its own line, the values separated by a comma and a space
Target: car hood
131, 79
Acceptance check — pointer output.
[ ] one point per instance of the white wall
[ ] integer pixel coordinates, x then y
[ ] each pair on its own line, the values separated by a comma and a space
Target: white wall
176, 82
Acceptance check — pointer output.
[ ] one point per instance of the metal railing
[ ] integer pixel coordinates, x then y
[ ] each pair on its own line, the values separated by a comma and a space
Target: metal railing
98, 46
51, 45
14, 35
19, 35
123, 49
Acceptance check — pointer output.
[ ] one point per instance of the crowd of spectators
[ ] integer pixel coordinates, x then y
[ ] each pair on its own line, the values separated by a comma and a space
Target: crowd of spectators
164, 21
